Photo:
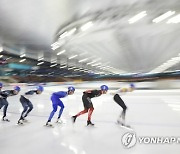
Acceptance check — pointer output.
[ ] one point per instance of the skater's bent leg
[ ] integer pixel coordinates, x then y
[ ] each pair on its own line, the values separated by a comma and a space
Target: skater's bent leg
1, 103
24, 111
122, 116
53, 111
90, 111
30, 109
61, 111
82, 112
124, 113
5, 108
121, 103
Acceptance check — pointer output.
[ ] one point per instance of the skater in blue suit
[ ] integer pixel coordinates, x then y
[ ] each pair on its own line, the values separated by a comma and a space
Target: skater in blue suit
55, 98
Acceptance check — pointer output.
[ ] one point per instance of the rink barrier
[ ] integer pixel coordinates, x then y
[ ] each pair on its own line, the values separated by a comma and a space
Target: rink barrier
159, 85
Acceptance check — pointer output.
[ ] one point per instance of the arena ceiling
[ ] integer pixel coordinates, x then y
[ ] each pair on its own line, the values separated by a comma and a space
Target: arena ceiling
106, 36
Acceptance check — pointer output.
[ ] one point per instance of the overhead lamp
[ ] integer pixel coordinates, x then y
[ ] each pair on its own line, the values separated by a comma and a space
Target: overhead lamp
67, 33
55, 45
82, 60
74, 56
70, 32
166, 65
77, 69
163, 16
53, 65
87, 26
70, 68
137, 17
42, 58
175, 19
63, 66
63, 34
40, 63
22, 60
96, 64
23, 55
61, 52
91, 62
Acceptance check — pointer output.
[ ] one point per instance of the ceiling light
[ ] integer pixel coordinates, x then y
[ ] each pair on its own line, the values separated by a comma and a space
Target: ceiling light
76, 69
22, 60
23, 55
86, 26
82, 60
137, 17
40, 63
175, 19
61, 52
55, 45
71, 31
163, 16
91, 62
67, 33
53, 65
96, 64
70, 68
166, 65
63, 66
40, 59
73, 56
63, 34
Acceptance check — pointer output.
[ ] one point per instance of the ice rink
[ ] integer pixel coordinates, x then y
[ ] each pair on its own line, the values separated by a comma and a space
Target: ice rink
150, 113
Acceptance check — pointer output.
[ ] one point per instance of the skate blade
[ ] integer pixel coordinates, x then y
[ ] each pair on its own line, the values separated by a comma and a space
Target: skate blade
20, 124
6, 120
127, 127
51, 126
124, 126
91, 126
58, 122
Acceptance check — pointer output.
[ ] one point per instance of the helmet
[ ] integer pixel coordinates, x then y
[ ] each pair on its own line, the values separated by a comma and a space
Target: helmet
17, 88
104, 87
71, 88
40, 88
132, 85
1, 85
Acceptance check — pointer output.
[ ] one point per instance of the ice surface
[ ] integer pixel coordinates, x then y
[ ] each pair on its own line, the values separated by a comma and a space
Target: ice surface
150, 113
